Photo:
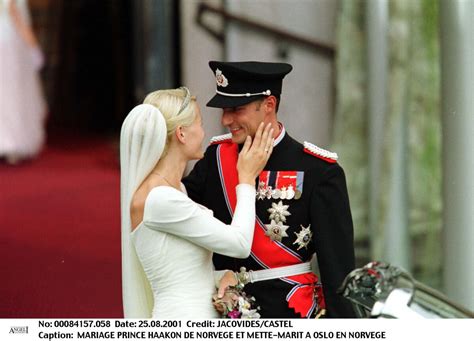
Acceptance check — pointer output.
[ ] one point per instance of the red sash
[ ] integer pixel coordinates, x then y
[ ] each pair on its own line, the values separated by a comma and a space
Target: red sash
267, 252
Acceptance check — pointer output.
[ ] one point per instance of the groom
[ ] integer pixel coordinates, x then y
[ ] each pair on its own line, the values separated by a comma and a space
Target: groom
302, 205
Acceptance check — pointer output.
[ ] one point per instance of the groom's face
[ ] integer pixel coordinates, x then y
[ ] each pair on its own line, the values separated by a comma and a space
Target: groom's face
243, 120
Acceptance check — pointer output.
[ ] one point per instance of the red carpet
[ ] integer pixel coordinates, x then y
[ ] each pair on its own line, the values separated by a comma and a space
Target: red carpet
60, 233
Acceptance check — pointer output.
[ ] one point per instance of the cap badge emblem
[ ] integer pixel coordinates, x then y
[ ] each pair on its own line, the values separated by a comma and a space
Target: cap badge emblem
220, 79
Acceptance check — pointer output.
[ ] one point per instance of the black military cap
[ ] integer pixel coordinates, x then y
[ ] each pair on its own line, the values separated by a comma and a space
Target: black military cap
239, 83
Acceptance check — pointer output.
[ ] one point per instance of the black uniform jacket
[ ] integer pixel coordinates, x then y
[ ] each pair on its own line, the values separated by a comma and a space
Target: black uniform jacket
324, 204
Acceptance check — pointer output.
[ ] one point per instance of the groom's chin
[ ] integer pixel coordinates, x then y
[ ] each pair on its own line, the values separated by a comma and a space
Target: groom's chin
239, 138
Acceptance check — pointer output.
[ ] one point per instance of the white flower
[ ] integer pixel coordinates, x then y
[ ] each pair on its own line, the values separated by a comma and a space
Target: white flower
250, 314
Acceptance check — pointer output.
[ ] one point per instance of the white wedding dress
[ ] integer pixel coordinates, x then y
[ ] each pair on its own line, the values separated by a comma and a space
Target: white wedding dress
175, 242
22, 105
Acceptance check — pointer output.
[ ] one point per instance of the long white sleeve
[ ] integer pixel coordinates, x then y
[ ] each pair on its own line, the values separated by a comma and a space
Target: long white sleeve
168, 210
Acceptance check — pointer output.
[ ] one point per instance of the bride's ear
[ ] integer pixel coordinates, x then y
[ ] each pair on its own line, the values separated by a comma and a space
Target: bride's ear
180, 135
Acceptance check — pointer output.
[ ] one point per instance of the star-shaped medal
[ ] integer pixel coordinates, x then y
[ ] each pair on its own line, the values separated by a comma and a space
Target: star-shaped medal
262, 191
276, 231
269, 192
279, 212
303, 237
261, 194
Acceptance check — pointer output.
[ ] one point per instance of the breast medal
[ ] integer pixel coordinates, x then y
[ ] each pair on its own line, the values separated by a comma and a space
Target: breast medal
290, 193
284, 185
276, 231
279, 212
269, 192
261, 191
303, 237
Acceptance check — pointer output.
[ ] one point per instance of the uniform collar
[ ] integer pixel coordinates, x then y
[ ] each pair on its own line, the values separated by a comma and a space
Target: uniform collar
281, 135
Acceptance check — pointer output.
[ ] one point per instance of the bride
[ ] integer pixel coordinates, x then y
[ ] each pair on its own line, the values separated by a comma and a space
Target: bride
167, 239
22, 104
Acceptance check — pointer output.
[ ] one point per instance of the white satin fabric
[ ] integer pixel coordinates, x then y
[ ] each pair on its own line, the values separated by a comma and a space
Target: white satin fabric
175, 242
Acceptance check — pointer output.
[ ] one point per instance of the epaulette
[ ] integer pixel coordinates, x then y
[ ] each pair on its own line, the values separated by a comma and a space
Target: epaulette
221, 139
320, 152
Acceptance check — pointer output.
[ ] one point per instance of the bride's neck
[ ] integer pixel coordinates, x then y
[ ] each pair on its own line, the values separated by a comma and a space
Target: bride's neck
171, 168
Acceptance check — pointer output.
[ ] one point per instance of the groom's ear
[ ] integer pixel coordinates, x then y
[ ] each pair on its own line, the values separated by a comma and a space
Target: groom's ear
270, 104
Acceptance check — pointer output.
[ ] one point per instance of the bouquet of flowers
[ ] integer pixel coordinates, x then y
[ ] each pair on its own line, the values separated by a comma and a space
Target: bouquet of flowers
236, 304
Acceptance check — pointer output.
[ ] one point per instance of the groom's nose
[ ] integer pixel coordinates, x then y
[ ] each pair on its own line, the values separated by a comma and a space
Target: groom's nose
226, 119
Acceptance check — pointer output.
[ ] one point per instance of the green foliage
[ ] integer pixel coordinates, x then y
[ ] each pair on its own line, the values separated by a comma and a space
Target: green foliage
413, 95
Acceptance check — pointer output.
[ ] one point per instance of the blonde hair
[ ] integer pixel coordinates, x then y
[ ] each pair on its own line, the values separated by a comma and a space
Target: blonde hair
142, 141
177, 107
144, 138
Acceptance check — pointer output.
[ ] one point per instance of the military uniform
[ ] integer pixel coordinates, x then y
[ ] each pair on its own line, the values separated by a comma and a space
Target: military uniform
302, 208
